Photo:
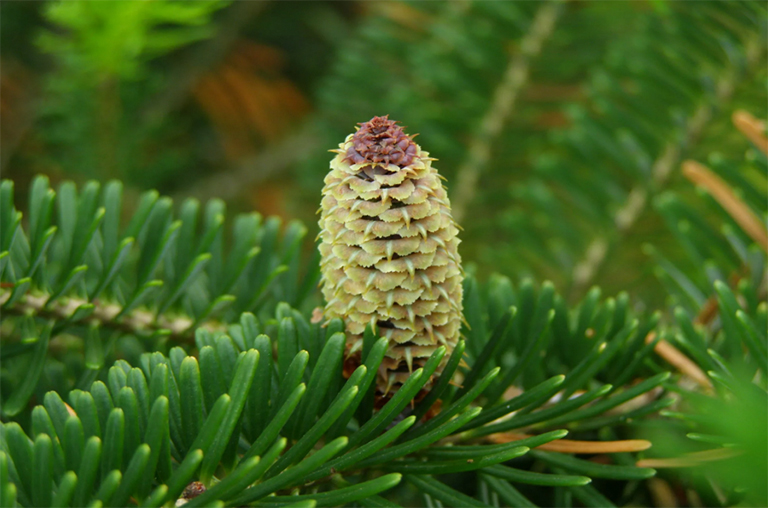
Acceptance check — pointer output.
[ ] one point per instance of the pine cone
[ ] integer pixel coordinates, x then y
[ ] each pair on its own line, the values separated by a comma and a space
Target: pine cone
389, 249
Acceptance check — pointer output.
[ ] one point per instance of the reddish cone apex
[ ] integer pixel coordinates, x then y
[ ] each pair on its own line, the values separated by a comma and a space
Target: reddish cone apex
381, 140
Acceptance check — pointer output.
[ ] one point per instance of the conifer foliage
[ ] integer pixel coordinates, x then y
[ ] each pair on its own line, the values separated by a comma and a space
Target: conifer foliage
157, 353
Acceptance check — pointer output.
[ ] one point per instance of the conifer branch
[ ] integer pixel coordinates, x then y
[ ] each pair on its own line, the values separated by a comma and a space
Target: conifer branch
139, 322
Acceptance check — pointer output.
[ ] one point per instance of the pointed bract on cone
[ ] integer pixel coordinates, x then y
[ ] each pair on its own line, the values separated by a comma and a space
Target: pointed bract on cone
389, 249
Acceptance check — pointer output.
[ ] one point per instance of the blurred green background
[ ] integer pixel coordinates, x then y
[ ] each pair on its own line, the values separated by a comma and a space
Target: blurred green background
559, 125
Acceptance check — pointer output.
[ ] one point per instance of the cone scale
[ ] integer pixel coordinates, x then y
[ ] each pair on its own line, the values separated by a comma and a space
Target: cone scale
389, 250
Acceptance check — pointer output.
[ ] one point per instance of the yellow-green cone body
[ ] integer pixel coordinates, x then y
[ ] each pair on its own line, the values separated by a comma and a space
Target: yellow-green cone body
389, 249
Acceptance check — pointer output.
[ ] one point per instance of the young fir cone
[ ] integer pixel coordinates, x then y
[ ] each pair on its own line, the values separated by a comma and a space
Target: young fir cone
389, 249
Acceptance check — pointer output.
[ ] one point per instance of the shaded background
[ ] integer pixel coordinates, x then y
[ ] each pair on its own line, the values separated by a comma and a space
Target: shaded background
560, 126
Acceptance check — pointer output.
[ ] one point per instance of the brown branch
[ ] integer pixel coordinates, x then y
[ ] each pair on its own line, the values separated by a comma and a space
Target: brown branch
752, 128
662, 493
572, 446
20, 92
691, 459
718, 189
707, 312
677, 359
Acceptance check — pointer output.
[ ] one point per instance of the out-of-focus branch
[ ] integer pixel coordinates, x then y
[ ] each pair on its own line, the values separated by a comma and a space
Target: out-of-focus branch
626, 217
500, 108
201, 58
273, 159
